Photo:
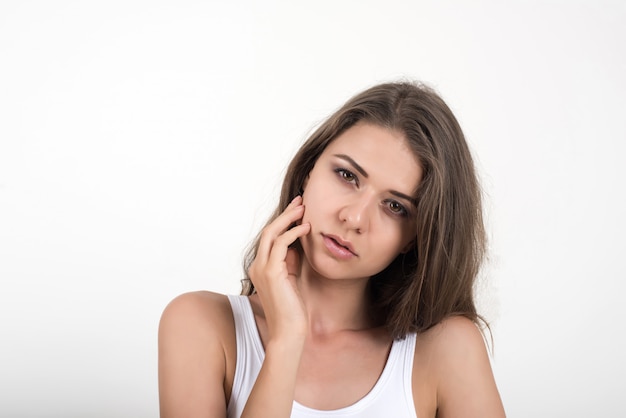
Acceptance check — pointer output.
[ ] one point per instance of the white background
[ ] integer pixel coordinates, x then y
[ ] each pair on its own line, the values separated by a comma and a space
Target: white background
142, 144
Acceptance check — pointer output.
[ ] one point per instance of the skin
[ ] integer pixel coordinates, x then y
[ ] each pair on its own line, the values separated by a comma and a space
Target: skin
321, 348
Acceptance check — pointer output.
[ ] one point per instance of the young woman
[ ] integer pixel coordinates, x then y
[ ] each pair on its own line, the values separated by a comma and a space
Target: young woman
357, 300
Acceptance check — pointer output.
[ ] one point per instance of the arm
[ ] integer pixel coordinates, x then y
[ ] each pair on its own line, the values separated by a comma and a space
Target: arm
194, 333
274, 274
273, 391
466, 386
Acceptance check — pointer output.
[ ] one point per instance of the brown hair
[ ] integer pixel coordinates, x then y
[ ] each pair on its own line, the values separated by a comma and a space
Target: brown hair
435, 279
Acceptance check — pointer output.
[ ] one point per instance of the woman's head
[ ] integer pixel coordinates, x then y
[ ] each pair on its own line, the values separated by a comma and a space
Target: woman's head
360, 205
434, 278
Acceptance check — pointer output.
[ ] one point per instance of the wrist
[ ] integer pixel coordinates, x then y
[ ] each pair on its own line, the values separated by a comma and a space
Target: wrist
286, 344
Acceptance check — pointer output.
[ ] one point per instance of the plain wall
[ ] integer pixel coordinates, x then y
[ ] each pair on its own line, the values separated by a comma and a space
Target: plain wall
142, 145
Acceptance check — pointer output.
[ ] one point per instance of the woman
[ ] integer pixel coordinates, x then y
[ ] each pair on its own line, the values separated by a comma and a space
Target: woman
357, 300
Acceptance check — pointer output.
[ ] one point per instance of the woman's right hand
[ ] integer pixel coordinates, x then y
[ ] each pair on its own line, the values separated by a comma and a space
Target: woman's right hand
274, 274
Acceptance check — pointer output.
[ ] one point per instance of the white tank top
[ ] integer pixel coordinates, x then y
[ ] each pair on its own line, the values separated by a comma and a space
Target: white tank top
391, 396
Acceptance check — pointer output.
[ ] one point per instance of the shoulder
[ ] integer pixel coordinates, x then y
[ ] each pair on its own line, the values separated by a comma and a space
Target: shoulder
458, 372
197, 308
201, 320
455, 338
197, 354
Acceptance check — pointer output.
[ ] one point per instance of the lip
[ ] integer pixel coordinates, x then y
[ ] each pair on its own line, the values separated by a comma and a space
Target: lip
339, 247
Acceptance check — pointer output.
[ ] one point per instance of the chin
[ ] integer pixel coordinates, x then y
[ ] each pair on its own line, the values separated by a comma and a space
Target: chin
331, 269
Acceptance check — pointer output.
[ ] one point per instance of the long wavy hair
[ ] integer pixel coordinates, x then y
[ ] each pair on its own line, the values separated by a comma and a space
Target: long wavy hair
435, 279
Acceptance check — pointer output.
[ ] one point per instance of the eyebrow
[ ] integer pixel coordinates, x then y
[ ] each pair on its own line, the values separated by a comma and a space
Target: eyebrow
353, 163
360, 169
403, 196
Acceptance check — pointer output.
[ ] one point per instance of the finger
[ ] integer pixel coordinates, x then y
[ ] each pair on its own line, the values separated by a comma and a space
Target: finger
276, 228
291, 214
292, 259
281, 245
295, 201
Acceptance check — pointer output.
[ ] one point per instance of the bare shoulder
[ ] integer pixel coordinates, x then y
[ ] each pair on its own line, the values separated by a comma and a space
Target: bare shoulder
208, 310
457, 371
197, 355
457, 336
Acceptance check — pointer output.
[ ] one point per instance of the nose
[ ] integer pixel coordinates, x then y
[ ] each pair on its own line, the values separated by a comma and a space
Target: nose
356, 215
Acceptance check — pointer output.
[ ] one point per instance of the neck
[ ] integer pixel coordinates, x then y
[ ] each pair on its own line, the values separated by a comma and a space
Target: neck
334, 305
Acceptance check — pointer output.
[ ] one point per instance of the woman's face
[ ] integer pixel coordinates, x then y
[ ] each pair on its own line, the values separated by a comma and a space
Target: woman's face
358, 199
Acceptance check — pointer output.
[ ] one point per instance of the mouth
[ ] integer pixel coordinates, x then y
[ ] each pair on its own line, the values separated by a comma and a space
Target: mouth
339, 247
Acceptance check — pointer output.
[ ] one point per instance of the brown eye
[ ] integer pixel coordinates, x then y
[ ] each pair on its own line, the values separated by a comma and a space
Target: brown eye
347, 176
396, 208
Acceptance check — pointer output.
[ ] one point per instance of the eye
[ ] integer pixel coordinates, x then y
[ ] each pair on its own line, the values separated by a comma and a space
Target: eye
396, 208
347, 176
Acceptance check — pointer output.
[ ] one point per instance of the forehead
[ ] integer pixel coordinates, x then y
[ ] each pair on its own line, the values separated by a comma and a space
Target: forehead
381, 152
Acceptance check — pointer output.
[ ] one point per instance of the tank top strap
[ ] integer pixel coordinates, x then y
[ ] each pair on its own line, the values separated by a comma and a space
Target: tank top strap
250, 354
407, 350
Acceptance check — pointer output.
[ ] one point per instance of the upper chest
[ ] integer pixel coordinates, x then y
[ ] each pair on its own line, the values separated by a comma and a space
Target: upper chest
341, 370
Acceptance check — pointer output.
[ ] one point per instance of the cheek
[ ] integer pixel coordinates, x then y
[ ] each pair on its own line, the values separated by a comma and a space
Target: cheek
313, 199
309, 206
409, 234
312, 209
402, 237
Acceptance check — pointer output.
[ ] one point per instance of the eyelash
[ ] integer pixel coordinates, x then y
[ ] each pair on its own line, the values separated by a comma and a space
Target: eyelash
403, 212
343, 173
